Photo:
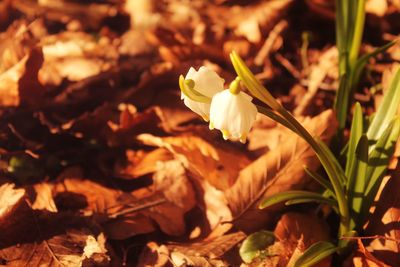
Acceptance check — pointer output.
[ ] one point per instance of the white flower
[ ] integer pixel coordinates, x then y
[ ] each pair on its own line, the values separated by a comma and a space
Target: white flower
233, 114
206, 82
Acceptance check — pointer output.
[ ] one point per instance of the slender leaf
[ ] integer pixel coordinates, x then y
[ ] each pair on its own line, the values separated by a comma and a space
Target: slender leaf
357, 27
316, 253
357, 186
379, 157
362, 61
386, 111
339, 173
321, 180
305, 196
355, 135
341, 100
254, 243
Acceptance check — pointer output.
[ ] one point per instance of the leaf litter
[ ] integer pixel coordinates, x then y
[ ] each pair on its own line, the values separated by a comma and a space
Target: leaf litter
102, 165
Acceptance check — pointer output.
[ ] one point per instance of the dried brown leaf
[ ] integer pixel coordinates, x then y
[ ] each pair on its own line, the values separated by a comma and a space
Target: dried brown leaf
75, 56
140, 163
70, 249
44, 197
364, 258
276, 171
217, 165
13, 213
384, 222
154, 255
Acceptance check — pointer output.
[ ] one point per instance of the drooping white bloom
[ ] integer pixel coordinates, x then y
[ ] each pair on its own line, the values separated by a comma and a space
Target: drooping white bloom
233, 114
206, 82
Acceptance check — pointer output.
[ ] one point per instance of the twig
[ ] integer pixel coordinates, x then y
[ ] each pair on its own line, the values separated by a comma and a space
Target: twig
269, 42
139, 207
288, 65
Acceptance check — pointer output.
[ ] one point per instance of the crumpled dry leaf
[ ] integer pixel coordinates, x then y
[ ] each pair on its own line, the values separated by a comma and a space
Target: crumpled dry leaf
276, 171
95, 246
364, 258
19, 84
384, 222
44, 197
199, 157
123, 215
9, 199
172, 179
217, 165
140, 163
95, 199
13, 213
61, 250
204, 253
154, 255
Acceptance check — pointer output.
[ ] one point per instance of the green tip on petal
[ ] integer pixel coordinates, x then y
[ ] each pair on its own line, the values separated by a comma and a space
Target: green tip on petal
225, 134
234, 87
187, 88
189, 83
243, 138
211, 126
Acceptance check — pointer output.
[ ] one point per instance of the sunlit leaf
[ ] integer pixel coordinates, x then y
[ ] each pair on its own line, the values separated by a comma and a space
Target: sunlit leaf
357, 185
355, 135
254, 243
378, 161
386, 111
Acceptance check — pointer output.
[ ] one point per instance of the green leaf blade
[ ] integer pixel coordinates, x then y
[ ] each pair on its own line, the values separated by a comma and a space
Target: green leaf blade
303, 196
316, 253
387, 110
356, 132
358, 184
254, 243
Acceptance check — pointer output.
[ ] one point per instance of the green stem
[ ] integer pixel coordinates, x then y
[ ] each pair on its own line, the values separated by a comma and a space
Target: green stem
329, 167
358, 31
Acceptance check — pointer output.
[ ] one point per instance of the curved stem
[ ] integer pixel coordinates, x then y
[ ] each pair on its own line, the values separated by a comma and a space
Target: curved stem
329, 166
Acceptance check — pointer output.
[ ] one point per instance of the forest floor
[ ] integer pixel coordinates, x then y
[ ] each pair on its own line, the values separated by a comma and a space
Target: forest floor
102, 164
